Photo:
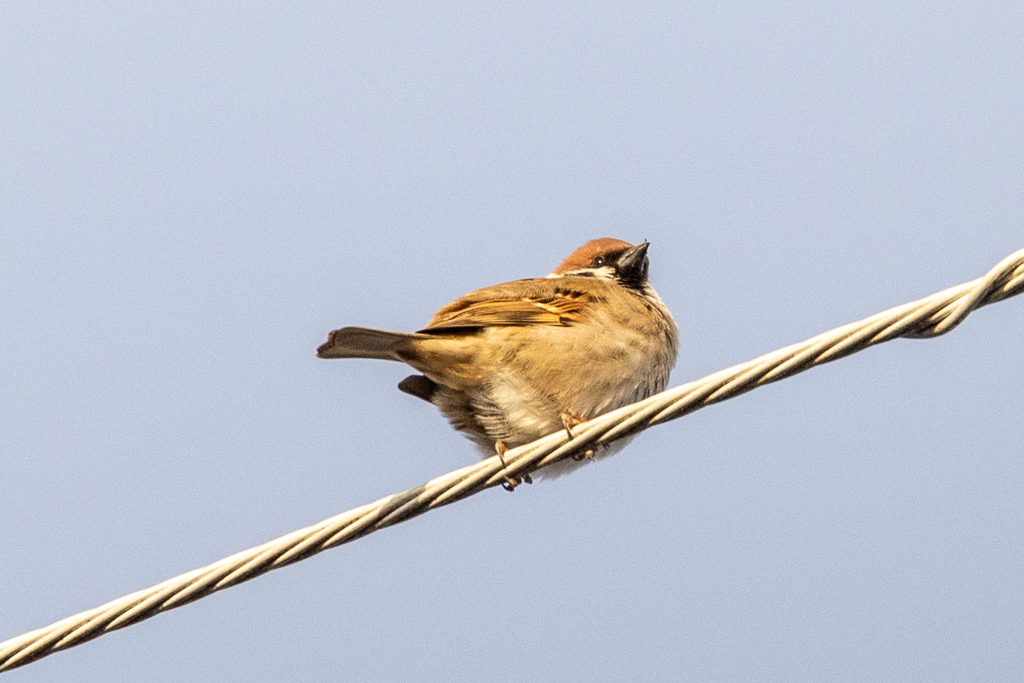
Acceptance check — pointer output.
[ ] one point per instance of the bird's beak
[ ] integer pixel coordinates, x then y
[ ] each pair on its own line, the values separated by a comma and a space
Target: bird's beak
632, 265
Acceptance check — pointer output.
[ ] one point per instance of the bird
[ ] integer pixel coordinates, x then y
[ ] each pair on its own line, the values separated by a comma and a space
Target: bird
513, 362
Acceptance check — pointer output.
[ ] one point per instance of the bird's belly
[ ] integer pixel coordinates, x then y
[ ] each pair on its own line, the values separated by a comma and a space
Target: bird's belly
525, 395
514, 407
513, 411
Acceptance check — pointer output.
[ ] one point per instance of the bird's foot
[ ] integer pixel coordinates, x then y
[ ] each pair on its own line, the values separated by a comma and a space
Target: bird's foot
510, 483
570, 418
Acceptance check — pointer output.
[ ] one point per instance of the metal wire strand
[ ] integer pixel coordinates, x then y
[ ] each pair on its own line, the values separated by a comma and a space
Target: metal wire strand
928, 317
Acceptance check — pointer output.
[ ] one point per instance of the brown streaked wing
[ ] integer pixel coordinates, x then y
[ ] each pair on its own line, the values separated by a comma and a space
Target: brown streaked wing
540, 302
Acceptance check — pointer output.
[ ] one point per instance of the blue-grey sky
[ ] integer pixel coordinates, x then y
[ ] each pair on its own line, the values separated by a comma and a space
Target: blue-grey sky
192, 195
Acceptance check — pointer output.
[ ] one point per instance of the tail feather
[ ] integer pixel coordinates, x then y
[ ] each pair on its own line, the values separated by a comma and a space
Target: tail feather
366, 342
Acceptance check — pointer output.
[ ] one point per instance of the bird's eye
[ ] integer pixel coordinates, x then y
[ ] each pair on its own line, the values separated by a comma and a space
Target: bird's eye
598, 262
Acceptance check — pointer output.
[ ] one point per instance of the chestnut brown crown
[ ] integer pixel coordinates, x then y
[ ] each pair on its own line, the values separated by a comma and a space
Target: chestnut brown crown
585, 255
608, 258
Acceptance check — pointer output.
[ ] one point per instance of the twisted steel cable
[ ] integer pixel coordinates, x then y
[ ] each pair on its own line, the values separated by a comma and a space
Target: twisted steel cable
928, 317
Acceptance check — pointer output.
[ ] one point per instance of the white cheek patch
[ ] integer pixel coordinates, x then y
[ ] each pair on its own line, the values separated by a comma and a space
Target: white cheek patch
604, 272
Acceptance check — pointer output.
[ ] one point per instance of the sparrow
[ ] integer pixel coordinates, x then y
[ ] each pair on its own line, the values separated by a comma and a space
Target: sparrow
511, 363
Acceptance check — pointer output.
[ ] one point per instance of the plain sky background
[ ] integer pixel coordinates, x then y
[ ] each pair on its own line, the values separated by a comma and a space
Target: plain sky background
192, 195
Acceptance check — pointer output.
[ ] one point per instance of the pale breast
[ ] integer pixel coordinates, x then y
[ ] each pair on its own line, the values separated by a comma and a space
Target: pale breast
616, 349
613, 357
